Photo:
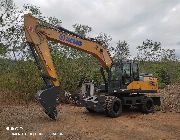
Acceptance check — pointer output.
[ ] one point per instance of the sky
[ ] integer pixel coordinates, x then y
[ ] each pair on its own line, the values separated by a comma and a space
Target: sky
130, 20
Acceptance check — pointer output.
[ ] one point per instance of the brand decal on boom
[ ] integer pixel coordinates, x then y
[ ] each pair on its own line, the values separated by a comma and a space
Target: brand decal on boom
71, 40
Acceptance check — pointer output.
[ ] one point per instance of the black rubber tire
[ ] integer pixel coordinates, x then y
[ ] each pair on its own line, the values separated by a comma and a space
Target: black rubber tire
147, 105
113, 106
90, 110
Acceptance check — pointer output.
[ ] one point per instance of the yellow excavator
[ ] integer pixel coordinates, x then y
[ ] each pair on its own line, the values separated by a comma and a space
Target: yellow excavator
123, 85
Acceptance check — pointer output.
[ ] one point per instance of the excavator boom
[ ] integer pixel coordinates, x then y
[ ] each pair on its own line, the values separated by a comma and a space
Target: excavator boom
39, 37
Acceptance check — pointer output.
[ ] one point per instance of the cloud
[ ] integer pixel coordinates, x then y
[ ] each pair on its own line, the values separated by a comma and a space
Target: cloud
178, 43
133, 21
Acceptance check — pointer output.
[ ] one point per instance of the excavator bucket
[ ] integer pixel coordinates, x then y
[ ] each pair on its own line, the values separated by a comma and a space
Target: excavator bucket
49, 99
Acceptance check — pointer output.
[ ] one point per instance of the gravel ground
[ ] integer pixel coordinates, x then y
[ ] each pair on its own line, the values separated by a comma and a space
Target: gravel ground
76, 123
170, 98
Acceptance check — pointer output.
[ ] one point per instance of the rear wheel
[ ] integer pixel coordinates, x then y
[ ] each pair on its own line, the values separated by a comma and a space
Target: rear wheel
113, 106
147, 105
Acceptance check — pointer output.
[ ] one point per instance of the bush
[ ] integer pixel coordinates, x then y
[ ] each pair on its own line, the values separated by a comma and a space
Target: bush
167, 72
19, 77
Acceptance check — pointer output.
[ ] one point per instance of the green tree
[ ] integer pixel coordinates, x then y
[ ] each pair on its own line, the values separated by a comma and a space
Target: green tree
161, 62
164, 76
12, 33
152, 51
168, 55
149, 51
3, 50
82, 30
105, 40
7, 19
121, 51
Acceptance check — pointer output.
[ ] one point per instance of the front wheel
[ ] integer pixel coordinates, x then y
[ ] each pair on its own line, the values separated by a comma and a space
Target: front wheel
113, 106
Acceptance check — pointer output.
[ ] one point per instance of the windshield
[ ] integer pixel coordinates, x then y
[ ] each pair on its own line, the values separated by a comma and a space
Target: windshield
126, 70
116, 72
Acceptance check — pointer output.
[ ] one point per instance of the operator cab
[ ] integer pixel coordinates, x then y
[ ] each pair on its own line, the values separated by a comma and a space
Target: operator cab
121, 74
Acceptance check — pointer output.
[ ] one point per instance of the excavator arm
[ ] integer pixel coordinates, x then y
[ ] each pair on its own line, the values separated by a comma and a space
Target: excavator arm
38, 36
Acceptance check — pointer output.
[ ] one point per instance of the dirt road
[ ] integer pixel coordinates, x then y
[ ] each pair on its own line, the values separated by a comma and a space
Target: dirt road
76, 123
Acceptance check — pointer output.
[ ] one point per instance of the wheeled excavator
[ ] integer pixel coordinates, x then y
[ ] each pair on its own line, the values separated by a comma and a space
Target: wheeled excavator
123, 85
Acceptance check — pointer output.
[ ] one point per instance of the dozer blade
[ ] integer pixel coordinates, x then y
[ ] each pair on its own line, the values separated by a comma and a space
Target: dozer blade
49, 99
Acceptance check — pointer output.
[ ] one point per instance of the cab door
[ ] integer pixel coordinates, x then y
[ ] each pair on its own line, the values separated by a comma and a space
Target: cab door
126, 75
135, 71
115, 83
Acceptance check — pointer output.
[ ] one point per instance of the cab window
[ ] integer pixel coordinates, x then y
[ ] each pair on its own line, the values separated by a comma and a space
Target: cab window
135, 71
127, 70
116, 72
